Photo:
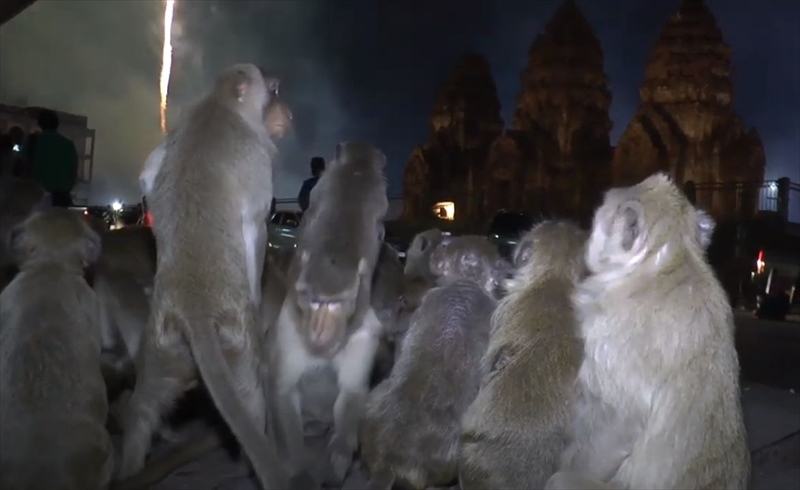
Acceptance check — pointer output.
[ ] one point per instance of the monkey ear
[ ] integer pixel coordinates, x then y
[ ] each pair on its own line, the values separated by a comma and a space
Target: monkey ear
241, 83
628, 223
705, 228
272, 85
424, 243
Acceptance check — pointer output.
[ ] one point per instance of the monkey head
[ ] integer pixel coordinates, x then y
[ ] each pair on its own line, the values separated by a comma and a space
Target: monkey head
338, 254
55, 235
245, 86
651, 223
417, 264
551, 248
469, 257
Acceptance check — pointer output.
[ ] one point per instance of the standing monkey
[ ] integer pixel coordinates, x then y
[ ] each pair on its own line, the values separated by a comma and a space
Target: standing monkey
326, 319
409, 433
659, 399
515, 430
209, 188
53, 403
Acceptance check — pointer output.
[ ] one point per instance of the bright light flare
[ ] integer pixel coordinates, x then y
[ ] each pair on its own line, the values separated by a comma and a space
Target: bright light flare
445, 210
166, 61
116, 206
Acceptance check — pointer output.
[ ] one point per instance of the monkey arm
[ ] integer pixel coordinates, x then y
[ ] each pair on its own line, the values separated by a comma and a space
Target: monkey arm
354, 366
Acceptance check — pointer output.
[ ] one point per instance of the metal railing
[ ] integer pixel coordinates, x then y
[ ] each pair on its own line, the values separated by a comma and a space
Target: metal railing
744, 200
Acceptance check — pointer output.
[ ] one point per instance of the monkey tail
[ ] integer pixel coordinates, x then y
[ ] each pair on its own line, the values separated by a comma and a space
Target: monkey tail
156, 471
219, 381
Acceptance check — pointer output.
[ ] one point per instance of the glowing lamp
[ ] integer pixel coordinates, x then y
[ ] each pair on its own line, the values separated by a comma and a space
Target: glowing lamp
116, 206
445, 210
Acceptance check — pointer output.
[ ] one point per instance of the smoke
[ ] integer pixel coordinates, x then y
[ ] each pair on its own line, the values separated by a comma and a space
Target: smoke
102, 60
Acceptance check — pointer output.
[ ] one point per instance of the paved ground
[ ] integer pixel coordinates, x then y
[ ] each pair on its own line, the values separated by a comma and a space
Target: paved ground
769, 354
772, 417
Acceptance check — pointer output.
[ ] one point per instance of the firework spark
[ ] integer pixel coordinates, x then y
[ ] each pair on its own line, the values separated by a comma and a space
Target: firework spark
166, 61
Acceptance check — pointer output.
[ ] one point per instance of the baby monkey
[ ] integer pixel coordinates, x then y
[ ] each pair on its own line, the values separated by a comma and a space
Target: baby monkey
409, 433
53, 406
515, 430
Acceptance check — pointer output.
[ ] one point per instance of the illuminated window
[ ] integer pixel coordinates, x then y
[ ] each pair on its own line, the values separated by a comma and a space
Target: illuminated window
445, 210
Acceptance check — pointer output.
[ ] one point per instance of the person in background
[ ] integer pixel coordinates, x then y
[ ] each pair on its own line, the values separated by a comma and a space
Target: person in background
55, 163
317, 167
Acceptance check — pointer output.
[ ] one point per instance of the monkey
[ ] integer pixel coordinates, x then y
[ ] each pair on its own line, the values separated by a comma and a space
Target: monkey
326, 318
514, 431
409, 432
210, 195
658, 403
53, 405
418, 253
124, 277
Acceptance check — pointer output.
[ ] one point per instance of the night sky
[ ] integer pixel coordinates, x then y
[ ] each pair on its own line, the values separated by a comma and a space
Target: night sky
358, 69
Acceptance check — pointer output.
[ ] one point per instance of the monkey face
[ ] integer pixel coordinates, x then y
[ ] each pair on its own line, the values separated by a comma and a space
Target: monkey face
325, 309
465, 257
277, 119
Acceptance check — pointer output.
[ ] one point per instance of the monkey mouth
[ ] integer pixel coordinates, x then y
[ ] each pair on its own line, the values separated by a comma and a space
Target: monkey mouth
323, 322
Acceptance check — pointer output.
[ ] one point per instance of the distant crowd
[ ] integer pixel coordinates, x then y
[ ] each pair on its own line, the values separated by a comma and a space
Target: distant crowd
45, 155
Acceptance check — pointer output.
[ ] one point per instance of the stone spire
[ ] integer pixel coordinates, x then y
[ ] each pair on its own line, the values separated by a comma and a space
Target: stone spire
690, 62
564, 86
466, 112
686, 123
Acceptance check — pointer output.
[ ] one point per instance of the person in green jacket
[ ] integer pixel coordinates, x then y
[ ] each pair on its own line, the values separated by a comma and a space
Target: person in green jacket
55, 160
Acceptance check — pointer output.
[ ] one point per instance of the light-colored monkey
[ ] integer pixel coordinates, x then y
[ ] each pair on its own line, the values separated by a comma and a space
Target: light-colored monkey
409, 433
326, 319
659, 391
515, 430
418, 254
53, 403
210, 196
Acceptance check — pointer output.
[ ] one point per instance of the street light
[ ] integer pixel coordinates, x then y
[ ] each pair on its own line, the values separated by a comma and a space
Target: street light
116, 206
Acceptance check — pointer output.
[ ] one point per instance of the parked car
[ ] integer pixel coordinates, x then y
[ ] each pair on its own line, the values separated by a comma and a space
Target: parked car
282, 229
506, 228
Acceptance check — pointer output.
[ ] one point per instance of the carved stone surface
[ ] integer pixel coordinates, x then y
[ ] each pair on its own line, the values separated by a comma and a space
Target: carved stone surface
686, 123
556, 159
464, 122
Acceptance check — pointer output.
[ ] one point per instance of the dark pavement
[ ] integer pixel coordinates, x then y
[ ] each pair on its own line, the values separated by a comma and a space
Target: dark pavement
769, 351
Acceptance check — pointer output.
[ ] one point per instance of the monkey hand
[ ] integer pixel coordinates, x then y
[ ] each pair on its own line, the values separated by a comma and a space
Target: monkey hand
341, 451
